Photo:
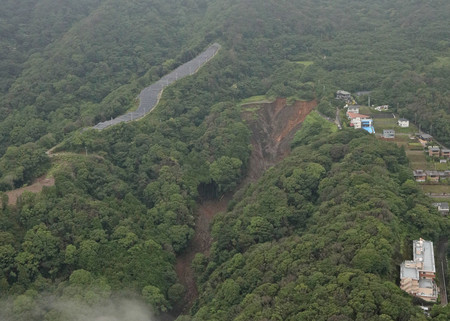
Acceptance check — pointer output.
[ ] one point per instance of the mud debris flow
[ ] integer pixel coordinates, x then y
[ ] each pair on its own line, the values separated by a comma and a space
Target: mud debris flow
273, 125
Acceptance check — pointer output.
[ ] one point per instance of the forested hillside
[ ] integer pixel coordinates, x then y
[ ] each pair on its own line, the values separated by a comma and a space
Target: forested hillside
318, 237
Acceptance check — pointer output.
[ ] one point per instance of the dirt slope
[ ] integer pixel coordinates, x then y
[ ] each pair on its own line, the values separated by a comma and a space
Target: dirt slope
36, 187
201, 243
273, 126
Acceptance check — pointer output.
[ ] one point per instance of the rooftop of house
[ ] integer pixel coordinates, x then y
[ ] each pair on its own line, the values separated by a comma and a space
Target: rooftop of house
369, 129
388, 131
418, 172
425, 283
364, 92
408, 270
403, 119
356, 115
423, 252
342, 92
445, 150
442, 205
426, 136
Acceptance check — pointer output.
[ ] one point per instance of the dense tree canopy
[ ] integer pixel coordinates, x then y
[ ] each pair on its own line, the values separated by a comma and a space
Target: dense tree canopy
318, 237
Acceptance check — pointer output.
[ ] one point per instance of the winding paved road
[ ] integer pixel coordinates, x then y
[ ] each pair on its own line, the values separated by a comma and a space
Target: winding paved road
149, 96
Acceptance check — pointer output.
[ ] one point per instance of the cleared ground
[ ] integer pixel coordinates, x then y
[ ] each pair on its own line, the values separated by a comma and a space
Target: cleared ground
391, 123
36, 187
436, 189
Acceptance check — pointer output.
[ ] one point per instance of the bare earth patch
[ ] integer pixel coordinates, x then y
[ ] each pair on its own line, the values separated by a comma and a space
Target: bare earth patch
273, 125
201, 243
36, 187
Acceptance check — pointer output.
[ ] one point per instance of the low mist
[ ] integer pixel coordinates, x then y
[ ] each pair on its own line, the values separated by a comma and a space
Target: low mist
112, 310
49, 308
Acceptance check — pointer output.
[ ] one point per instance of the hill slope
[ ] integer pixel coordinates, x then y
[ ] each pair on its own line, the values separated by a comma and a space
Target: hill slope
118, 216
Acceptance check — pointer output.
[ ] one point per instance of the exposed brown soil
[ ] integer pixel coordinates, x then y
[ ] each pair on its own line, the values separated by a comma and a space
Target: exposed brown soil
201, 243
36, 187
273, 125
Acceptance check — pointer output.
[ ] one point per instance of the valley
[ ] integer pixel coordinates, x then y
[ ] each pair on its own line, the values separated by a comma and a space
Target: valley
244, 194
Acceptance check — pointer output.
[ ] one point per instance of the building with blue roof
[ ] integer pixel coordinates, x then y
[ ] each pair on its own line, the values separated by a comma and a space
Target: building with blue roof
367, 125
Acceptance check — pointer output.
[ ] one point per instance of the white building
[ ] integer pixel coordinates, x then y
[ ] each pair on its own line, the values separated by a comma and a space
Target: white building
382, 108
353, 109
442, 208
402, 122
417, 276
356, 123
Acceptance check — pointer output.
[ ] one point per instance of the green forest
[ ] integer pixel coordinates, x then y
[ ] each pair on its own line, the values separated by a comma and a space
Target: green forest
320, 236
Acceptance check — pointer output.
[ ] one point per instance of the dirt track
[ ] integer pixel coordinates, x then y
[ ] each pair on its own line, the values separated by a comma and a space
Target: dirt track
273, 126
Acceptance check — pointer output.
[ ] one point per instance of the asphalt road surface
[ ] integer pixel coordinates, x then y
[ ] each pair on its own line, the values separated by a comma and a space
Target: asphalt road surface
149, 96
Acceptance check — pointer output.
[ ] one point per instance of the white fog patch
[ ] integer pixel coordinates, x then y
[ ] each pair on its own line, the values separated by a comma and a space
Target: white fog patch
111, 310
63, 309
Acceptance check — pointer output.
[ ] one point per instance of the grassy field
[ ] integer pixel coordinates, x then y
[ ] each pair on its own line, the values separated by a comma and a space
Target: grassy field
443, 167
305, 63
256, 99
418, 160
391, 123
440, 199
442, 62
437, 189
365, 110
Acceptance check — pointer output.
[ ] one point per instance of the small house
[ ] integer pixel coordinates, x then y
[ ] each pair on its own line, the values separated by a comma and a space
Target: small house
445, 153
343, 95
442, 208
367, 125
353, 109
426, 137
443, 175
402, 122
433, 176
434, 151
356, 115
388, 133
420, 175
